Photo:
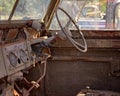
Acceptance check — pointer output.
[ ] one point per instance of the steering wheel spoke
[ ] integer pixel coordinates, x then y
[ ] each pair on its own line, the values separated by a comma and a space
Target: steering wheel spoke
67, 31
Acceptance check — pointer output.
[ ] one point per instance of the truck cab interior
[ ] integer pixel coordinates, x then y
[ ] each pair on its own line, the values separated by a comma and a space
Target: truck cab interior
59, 48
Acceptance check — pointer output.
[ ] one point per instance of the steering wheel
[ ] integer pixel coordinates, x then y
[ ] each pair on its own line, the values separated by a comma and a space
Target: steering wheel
67, 32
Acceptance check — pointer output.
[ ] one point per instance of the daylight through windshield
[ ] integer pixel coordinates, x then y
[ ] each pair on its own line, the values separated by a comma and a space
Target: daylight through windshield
26, 9
6, 8
88, 14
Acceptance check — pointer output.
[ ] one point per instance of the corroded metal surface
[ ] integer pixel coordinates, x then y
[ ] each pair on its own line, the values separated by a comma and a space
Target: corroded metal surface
95, 39
107, 34
98, 34
70, 71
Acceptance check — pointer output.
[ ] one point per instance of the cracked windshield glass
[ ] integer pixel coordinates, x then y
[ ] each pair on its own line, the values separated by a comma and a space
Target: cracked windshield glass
88, 14
26, 9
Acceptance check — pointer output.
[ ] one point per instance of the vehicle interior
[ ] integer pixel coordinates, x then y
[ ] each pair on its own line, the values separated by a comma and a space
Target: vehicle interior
60, 48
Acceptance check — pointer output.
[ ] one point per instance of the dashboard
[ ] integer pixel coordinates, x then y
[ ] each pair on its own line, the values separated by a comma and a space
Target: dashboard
21, 46
15, 51
14, 57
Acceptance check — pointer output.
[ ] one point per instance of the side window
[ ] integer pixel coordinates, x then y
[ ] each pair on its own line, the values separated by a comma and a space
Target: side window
88, 14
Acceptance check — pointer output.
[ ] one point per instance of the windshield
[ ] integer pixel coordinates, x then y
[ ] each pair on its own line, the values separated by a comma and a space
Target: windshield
88, 14
26, 9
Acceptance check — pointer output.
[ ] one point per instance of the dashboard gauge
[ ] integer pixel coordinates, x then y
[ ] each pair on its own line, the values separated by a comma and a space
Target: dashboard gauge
23, 56
13, 59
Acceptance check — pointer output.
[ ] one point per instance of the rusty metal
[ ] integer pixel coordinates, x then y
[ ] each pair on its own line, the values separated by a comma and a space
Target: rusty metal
102, 34
94, 38
68, 70
97, 34
13, 24
36, 83
12, 34
50, 12
93, 43
74, 58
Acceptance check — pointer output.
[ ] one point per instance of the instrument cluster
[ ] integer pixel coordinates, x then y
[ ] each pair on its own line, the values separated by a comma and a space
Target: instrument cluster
16, 56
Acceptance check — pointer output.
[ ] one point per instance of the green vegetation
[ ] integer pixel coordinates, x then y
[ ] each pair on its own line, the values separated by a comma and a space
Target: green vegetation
6, 6
103, 5
25, 8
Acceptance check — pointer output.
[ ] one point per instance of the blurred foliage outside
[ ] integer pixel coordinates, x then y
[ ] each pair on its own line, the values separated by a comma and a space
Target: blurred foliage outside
24, 8
7, 5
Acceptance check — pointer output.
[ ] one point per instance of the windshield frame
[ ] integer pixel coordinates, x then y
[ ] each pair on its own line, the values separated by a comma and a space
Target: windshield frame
52, 6
13, 10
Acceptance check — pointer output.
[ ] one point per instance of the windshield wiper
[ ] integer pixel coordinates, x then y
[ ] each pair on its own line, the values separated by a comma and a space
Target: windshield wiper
13, 10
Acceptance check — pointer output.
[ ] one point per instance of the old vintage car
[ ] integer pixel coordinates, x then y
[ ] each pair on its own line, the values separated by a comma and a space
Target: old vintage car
44, 51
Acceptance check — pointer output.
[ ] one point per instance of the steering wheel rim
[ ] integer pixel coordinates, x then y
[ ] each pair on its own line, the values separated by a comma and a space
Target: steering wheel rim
76, 44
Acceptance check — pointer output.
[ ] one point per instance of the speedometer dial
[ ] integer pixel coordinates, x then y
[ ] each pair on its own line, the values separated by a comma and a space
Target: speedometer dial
13, 59
23, 56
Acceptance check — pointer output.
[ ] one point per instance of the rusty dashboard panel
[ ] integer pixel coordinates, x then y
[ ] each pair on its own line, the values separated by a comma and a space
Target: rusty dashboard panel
17, 56
18, 50
3, 72
95, 39
13, 24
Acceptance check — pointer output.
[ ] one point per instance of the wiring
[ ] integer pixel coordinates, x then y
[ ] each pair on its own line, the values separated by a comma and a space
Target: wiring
36, 83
